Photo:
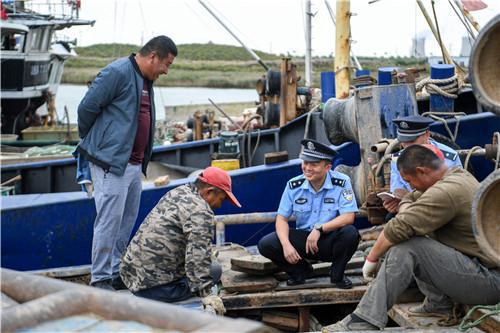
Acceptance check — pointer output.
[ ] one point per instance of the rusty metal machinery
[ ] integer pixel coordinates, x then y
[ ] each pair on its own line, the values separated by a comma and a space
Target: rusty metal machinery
485, 66
281, 99
486, 216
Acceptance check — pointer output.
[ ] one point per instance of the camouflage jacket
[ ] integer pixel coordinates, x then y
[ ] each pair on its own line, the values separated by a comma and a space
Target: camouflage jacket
172, 242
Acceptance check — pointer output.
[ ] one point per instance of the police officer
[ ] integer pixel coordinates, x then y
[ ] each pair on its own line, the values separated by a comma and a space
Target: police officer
414, 130
324, 205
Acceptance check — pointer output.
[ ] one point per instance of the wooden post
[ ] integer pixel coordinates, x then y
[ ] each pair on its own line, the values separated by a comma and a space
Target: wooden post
342, 33
288, 93
198, 126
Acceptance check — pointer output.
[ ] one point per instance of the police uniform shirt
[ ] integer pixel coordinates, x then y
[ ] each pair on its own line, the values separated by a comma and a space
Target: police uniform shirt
310, 207
450, 157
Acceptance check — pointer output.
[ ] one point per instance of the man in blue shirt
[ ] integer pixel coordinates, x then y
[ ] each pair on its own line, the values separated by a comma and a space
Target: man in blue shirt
414, 130
324, 205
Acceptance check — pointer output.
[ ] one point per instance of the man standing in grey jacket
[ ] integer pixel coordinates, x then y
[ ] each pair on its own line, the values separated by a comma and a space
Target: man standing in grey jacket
116, 120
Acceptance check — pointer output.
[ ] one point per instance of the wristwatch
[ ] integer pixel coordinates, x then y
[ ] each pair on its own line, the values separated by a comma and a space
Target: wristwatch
319, 227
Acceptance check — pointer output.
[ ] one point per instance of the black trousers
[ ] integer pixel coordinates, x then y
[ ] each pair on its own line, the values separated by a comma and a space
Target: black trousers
336, 247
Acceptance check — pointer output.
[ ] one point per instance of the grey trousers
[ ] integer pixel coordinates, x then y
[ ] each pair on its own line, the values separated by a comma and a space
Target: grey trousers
117, 202
442, 273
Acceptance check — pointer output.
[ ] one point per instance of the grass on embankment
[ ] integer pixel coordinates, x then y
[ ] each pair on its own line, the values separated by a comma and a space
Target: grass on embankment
211, 65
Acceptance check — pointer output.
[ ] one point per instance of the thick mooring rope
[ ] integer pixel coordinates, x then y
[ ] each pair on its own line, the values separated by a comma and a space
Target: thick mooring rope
449, 87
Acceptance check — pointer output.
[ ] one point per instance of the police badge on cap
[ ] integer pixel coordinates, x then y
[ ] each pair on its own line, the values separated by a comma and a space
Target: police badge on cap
315, 151
411, 127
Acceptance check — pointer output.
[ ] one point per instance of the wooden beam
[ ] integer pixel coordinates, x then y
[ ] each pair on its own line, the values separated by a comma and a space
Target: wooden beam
342, 36
241, 282
308, 297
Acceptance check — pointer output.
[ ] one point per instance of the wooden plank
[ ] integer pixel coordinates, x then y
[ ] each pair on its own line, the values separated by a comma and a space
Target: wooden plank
490, 324
275, 157
400, 314
257, 263
281, 320
241, 282
304, 319
287, 298
321, 282
226, 252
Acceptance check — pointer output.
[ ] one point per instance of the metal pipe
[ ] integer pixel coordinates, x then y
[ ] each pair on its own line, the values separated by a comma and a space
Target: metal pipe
249, 50
381, 146
251, 218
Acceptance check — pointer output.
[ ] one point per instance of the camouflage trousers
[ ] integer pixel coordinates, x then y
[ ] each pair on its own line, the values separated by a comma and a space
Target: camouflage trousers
443, 274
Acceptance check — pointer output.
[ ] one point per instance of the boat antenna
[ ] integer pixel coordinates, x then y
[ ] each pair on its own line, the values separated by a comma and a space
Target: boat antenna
249, 50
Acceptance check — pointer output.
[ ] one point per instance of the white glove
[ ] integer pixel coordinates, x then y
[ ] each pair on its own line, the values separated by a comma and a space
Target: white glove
369, 269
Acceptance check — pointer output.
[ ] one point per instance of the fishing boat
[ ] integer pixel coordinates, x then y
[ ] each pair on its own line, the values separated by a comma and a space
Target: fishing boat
41, 232
32, 63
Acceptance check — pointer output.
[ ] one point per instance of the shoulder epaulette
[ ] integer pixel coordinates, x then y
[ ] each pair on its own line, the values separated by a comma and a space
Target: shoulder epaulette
338, 181
449, 155
296, 183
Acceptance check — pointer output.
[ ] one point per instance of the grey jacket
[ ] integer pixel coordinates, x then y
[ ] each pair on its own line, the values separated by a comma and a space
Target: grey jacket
108, 117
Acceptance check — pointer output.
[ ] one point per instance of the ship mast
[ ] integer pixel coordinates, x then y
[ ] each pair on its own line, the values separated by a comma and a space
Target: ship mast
342, 33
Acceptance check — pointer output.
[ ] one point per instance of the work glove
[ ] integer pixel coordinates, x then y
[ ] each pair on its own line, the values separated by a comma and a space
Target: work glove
369, 270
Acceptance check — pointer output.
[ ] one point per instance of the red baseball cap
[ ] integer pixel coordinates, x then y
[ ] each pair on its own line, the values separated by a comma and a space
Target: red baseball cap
221, 179
435, 150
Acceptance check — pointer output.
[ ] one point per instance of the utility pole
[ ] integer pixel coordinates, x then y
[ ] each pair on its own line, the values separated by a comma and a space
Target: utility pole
308, 64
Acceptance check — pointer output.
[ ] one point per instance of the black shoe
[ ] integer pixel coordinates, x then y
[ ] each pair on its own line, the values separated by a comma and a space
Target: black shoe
295, 282
345, 283
301, 279
103, 284
117, 283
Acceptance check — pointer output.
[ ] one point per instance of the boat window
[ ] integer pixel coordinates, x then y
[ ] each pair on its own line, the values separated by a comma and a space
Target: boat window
13, 40
46, 39
36, 39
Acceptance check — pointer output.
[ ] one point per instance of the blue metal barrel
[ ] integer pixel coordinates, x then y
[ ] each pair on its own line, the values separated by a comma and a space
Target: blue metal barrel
327, 86
385, 75
439, 103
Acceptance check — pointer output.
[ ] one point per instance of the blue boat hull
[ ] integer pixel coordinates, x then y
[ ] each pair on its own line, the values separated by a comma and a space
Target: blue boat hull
42, 231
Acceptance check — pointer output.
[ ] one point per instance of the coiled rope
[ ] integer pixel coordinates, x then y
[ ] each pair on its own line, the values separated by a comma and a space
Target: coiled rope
447, 87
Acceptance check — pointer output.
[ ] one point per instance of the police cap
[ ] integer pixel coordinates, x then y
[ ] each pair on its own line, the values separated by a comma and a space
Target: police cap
315, 151
411, 127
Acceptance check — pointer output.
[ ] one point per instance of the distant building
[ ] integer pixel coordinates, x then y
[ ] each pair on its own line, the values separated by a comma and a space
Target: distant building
418, 47
466, 46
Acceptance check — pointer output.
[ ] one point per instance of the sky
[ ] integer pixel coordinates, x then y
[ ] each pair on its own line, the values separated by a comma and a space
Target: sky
383, 28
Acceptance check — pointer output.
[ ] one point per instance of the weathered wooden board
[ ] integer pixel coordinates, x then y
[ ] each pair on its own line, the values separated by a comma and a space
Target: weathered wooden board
227, 252
490, 324
254, 264
275, 157
281, 320
401, 315
320, 282
241, 282
287, 298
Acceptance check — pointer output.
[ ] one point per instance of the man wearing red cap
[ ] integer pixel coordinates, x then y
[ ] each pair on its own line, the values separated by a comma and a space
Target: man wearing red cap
169, 258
